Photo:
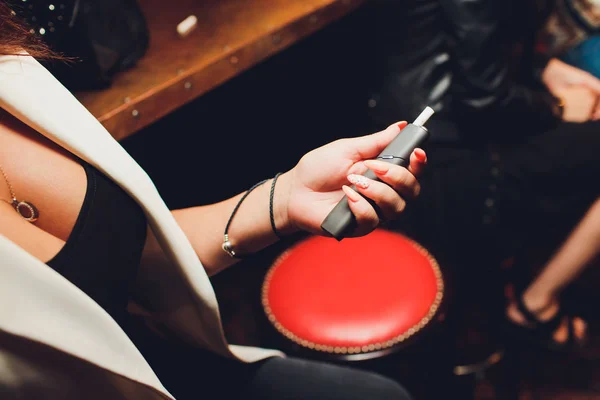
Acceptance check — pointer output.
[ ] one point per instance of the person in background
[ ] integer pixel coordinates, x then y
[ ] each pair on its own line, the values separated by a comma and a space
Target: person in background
514, 148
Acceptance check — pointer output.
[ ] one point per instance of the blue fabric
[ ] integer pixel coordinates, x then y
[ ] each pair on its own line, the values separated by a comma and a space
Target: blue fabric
586, 55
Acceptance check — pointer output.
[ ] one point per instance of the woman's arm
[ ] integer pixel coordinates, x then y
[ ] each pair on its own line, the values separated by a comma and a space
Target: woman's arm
303, 197
250, 230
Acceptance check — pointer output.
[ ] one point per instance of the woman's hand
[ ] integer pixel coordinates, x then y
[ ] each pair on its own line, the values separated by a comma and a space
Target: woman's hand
578, 89
318, 182
580, 104
559, 75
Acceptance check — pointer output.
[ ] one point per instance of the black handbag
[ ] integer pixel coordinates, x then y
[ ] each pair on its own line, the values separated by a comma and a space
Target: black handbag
102, 37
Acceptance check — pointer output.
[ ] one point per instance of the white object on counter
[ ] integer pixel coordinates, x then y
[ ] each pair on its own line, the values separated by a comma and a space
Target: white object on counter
187, 25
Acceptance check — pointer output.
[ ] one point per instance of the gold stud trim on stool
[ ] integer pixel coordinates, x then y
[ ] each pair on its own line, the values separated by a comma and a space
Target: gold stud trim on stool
355, 349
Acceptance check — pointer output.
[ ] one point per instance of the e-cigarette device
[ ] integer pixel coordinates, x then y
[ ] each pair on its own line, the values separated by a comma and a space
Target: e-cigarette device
341, 222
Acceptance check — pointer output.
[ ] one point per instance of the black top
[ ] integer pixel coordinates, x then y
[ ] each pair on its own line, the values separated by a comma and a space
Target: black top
474, 61
102, 253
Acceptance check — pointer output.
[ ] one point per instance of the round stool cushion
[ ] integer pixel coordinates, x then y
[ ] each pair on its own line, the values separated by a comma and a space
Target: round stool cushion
355, 296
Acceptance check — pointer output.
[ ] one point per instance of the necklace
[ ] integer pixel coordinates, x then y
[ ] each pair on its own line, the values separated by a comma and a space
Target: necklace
23, 208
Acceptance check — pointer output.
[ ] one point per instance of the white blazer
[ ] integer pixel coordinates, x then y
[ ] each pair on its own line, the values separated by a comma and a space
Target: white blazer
55, 341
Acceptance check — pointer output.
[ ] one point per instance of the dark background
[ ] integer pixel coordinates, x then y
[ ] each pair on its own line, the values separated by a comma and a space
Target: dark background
260, 122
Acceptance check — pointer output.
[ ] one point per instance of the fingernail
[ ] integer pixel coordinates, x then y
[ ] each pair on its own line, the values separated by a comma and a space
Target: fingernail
351, 194
379, 167
358, 180
421, 156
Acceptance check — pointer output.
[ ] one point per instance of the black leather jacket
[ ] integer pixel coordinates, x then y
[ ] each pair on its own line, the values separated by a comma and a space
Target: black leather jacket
473, 61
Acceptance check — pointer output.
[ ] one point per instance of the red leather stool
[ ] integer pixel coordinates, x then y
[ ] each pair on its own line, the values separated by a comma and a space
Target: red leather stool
359, 298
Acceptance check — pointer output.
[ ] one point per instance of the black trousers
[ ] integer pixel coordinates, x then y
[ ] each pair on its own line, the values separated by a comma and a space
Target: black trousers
499, 197
191, 374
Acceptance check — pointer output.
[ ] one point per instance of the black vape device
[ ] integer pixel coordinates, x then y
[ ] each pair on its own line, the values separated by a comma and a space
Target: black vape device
341, 222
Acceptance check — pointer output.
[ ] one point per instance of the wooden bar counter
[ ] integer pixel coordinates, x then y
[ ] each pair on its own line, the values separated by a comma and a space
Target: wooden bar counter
231, 36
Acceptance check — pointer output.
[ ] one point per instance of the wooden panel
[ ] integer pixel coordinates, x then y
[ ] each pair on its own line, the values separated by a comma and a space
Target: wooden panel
232, 36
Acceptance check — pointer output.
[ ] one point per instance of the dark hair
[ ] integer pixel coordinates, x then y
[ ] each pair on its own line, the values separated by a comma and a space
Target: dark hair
15, 37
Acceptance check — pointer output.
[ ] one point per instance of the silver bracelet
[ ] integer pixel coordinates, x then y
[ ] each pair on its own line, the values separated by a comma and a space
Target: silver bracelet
227, 246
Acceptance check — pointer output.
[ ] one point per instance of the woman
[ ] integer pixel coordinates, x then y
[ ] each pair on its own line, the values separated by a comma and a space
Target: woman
511, 127
78, 218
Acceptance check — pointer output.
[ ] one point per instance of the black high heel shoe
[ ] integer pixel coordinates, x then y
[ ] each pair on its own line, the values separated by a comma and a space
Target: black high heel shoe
541, 333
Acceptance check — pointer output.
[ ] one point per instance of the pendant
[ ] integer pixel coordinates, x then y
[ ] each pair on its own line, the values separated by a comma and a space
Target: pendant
26, 210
